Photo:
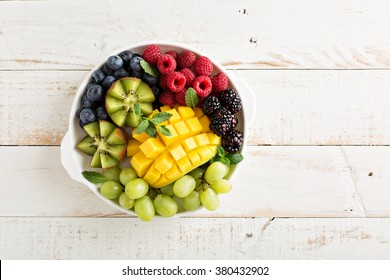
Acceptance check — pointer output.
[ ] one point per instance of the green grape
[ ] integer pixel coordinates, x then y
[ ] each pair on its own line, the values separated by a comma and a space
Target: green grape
184, 186
192, 201
126, 175
144, 208
165, 205
111, 189
198, 182
197, 173
112, 173
209, 199
125, 202
168, 190
221, 186
216, 171
136, 188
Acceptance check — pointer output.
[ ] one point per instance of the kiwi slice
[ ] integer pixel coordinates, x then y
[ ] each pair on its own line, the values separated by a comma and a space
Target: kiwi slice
121, 100
105, 142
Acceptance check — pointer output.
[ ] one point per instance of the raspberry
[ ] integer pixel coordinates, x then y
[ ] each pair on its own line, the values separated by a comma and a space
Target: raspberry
181, 97
167, 98
151, 54
176, 81
190, 76
173, 54
163, 81
186, 59
202, 85
203, 66
166, 64
220, 82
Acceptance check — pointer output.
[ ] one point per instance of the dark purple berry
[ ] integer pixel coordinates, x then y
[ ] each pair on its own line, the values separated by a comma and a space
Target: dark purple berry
210, 105
115, 62
98, 76
95, 94
87, 115
107, 82
232, 141
230, 99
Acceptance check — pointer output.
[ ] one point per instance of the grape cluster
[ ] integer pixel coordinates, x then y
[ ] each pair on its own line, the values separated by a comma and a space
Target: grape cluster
200, 187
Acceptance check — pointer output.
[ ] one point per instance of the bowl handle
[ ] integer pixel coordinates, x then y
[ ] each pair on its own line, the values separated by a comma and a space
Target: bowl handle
67, 160
248, 99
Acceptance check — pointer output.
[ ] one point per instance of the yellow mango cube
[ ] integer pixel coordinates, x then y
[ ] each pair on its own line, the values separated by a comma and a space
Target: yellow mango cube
162, 182
152, 147
140, 163
214, 139
198, 112
140, 137
174, 173
175, 116
201, 139
182, 130
194, 158
194, 125
205, 122
152, 175
188, 144
185, 112
177, 152
164, 162
133, 147
204, 153
184, 165
169, 140
155, 111
165, 108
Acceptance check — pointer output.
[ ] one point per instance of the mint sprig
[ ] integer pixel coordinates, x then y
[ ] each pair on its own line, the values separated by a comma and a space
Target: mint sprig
191, 97
226, 158
150, 126
94, 177
148, 68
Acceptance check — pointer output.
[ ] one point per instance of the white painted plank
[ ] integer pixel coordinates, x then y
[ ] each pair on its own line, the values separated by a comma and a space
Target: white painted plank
288, 182
316, 107
260, 238
240, 34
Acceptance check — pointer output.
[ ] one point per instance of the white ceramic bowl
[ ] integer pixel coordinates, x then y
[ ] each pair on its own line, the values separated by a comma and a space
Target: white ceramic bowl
76, 162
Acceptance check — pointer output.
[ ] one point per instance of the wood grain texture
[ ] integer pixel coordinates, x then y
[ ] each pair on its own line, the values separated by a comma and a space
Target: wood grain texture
260, 238
289, 182
308, 107
240, 34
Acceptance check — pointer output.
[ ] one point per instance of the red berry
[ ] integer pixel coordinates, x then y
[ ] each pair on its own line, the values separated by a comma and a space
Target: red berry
220, 82
202, 85
203, 66
190, 76
166, 64
167, 98
186, 59
173, 54
181, 97
163, 81
176, 81
151, 54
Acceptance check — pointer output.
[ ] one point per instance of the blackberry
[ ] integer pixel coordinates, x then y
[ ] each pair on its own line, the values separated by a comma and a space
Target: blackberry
232, 141
230, 99
210, 105
234, 121
221, 122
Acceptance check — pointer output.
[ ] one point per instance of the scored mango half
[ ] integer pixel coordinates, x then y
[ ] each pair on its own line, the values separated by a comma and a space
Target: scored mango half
162, 160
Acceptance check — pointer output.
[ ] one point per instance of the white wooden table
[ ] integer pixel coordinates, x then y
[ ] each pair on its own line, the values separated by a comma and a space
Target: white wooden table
319, 146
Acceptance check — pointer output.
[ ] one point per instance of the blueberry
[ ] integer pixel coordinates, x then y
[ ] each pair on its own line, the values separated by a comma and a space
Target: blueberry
89, 85
95, 93
87, 115
78, 113
121, 73
98, 76
149, 79
107, 82
101, 113
115, 62
156, 91
107, 70
86, 103
135, 63
126, 56
136, 74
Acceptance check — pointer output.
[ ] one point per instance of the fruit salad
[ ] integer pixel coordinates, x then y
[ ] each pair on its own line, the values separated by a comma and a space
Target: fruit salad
161, 131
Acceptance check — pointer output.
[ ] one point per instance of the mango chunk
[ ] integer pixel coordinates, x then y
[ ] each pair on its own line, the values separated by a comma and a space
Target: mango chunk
152, 175
165, 108
205, 122
169, 140
204, 153
175, 116
214, 139
189, 144
133, 147
182, 130
194, 125
174, 173
184, 165
198, 112
177, 152
185, 112
201, 139
152, 147
140, 163
164, 162
140, 137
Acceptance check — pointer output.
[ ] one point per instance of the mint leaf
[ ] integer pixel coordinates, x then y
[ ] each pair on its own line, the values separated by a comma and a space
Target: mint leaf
137, 109
224, 160
161, 117
143, 125
151, 131
235, 158
221, 151
94, 177
164, 130
149, 68
191, 97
